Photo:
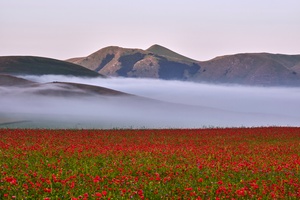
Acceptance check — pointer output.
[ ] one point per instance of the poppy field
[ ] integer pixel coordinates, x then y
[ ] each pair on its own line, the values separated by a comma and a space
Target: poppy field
235, 163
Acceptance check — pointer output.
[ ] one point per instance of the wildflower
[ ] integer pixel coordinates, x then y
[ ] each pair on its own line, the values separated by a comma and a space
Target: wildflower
241, 192
98, 194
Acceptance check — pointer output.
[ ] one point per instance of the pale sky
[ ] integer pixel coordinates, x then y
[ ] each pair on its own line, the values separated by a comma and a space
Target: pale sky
199, 29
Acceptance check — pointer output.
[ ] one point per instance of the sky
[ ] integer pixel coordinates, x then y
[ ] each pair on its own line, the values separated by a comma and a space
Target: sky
198, 29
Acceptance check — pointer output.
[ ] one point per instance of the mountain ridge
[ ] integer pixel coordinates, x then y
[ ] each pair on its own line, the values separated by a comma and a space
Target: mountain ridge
125, 62
264, 69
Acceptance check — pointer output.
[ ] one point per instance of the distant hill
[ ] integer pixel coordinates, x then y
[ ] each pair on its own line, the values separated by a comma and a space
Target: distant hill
117, 61
63, 89
162, 63
8, 80
30, 65
252, 69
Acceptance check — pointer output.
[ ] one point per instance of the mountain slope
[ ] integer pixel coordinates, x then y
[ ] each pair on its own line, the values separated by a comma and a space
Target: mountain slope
117, 61
159, 62
30, 65
251, 69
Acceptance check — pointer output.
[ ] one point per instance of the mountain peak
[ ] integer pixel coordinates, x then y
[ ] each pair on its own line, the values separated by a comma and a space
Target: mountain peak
156, 46
160, 50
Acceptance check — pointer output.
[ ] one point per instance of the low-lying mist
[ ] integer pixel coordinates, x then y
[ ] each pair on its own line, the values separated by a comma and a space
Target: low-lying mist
180, 105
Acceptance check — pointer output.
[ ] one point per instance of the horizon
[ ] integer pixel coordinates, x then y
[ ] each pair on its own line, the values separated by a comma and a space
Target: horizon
198, 30
151, 46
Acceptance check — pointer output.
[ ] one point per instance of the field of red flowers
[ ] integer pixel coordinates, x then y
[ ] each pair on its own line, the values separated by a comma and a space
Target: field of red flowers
241, 163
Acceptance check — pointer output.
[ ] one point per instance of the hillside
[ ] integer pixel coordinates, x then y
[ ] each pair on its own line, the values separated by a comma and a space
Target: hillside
64, 89
8, 80
123, 62
252, 69
162, 63
30, 65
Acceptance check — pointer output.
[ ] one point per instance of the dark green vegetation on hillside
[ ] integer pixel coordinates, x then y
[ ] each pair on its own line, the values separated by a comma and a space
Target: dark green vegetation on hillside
30, 65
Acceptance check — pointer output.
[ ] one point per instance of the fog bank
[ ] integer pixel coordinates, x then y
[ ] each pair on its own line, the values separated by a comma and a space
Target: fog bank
188, 105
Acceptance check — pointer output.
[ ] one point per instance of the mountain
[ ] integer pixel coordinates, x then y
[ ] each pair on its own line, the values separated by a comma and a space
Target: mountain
30, 65
159, 62
252, 69
156, 62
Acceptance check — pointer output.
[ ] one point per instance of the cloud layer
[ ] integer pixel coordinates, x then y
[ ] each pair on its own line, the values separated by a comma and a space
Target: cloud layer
189, 105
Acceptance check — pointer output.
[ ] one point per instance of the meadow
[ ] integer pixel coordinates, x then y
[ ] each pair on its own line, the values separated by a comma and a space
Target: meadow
229, 163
